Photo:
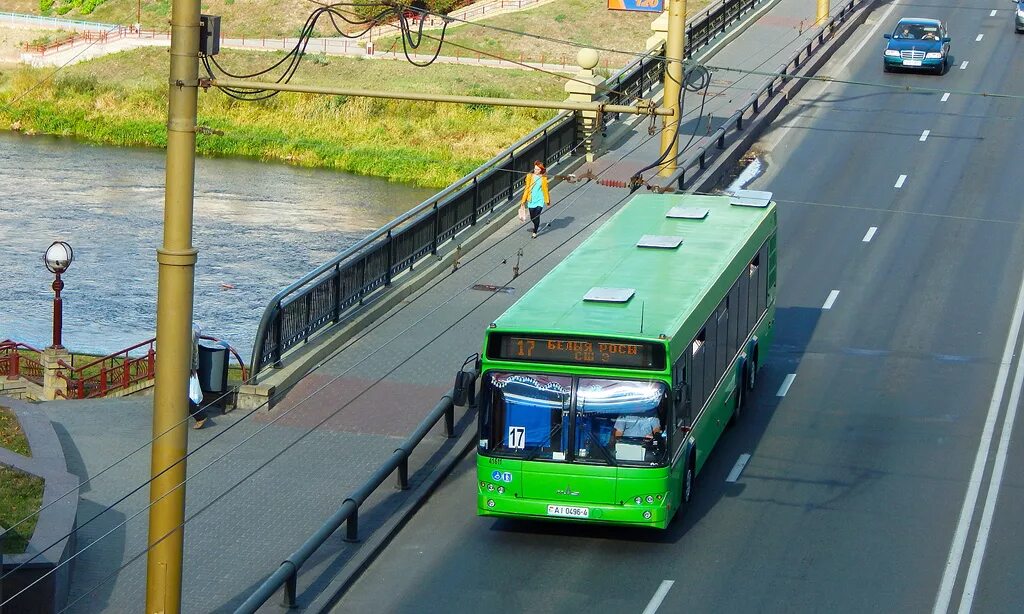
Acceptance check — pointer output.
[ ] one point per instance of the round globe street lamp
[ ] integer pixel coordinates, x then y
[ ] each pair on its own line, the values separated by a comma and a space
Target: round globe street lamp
58, 258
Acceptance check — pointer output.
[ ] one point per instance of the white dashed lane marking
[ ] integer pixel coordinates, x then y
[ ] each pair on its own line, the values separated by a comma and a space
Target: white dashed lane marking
924, 135
786, 383
738, 468
900, 181
945, 97
870, 234
831, 300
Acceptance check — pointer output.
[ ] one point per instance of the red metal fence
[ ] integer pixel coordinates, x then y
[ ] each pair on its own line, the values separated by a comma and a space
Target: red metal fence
14, 362
96, 378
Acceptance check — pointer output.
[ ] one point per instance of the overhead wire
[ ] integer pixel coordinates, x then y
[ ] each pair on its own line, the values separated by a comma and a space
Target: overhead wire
308, 29
187, 417
348, 345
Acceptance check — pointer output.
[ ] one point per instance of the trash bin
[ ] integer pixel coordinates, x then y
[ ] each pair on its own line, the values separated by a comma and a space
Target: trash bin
213, 366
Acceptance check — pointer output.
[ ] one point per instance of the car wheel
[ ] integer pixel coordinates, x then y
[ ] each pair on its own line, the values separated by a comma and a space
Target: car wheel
885, 67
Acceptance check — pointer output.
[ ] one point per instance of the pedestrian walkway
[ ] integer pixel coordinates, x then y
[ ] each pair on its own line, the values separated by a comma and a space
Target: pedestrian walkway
363, 400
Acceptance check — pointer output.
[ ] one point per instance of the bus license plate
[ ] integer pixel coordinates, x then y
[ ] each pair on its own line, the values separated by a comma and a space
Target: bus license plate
911, 62
568, 511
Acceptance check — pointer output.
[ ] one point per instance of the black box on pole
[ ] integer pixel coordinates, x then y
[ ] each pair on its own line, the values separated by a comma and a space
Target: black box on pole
209, 35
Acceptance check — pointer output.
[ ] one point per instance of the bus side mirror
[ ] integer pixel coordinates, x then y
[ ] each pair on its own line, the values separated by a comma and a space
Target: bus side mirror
463, 389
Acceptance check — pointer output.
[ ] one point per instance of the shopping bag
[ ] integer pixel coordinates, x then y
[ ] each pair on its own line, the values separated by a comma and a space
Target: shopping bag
523, 215
195, 391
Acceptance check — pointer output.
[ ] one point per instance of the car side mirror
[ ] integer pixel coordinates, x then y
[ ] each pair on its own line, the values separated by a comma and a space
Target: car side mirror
946, 39
887, 35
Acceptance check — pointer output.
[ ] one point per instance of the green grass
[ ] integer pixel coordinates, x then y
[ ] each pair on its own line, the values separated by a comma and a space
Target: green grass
121, 100
21, 494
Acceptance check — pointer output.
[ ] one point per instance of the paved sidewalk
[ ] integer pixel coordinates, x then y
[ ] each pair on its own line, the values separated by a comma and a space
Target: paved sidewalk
369, 396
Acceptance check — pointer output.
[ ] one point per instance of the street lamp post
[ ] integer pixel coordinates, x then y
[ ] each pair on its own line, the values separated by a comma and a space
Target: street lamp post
58, 258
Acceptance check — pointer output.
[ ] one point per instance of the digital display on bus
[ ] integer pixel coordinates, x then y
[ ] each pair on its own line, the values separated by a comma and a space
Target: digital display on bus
577, 350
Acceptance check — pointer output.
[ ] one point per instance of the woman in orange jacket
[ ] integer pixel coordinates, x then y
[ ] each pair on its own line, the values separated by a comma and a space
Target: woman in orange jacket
535, 196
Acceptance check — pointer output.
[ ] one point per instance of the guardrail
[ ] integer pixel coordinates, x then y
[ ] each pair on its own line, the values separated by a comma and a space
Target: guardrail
709, 150
348, 514
341, 285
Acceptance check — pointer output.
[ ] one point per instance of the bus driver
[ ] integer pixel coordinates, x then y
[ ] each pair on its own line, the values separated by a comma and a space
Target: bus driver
632, 425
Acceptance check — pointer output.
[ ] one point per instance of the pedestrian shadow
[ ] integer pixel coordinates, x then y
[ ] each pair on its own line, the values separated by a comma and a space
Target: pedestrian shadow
559, 223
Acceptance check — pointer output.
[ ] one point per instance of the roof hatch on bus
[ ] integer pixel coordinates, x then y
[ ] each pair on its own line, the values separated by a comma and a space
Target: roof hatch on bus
609, 295
682, 212
749, 198
660, 241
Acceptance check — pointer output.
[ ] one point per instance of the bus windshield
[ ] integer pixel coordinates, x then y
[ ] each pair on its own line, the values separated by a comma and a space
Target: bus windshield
613, 422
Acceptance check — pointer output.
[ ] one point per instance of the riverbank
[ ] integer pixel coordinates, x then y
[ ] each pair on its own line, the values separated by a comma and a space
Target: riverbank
122, 100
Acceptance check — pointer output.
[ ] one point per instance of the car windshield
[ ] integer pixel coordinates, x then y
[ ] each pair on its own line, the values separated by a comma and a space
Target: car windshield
526, 415
916, 31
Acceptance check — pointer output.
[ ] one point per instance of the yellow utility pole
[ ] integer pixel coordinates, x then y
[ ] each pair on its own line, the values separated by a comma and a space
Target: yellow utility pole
674, 48
823, 11
176, 261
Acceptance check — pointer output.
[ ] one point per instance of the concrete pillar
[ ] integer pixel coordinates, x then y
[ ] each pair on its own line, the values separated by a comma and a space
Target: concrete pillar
660, 28
583, 87
51, 359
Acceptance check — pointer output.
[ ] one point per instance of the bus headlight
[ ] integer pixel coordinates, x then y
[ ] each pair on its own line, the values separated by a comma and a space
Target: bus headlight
650, 498
490, 488
647, 515
490, 503
638, 500
501, 490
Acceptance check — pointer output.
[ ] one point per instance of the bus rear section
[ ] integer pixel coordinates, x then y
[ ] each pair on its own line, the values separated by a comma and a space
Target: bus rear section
566, 446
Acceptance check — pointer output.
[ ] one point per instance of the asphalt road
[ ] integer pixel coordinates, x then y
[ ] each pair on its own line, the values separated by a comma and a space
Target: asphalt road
854, 496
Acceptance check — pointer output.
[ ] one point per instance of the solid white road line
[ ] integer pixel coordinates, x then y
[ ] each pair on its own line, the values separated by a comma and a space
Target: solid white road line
899, 182
786, 383
963, 66
831, 300
956, 549
870, 234
737, 469
924, 136
784, 130
980, 36
985, 526
993, 13
659, 596
945, 97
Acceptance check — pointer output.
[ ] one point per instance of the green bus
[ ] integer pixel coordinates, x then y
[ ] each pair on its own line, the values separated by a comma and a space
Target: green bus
605, 387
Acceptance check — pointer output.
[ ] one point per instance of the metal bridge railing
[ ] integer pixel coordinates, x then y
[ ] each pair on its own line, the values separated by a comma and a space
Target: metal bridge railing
326, 295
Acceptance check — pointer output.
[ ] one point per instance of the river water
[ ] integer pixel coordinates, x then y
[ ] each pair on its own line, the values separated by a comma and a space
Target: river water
258, 227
